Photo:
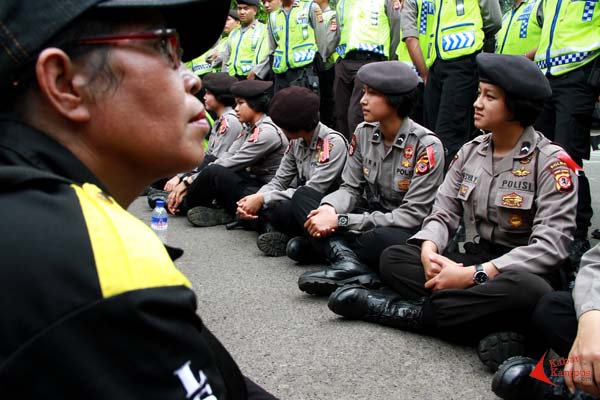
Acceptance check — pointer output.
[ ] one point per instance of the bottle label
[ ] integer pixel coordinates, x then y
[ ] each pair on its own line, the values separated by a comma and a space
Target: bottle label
160, 222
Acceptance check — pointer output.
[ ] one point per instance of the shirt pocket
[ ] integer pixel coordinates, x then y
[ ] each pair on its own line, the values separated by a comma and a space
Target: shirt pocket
515, 210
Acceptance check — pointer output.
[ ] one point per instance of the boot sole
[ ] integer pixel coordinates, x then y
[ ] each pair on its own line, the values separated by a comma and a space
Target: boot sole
324, 287
204, 217
493, 350
273, 244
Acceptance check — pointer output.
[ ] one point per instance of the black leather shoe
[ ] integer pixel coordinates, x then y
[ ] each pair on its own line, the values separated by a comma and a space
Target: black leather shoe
272, 243
497, 347
324, 282
380, 306
300, 250
512, 381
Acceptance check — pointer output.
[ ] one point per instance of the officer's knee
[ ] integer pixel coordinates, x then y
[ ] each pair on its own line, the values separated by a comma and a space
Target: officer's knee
526, 289
549, 305
394, 257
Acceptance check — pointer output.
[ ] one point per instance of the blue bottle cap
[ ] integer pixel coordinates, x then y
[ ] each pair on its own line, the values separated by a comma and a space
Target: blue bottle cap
160, 203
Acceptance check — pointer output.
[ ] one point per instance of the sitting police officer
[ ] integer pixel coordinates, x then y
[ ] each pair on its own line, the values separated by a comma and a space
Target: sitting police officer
314, 159
92, 305
518, 190
212, 194
398, 162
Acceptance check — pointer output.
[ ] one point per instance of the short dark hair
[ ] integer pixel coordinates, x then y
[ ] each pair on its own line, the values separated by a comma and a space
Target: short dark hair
93, 22
525, 111
227, 99
259, 103
403, 103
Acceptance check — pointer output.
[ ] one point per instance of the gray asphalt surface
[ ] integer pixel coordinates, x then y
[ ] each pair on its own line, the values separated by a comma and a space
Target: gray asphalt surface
292, 345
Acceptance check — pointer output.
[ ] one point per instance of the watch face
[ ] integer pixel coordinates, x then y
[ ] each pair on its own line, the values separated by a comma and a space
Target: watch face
480, 277
343, 220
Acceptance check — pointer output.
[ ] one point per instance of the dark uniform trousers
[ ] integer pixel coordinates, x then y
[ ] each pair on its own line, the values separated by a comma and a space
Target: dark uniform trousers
220, 184
567, 120
368, 245
555, 323
450, 92
303, 77
327, 105
504, 303
348, 90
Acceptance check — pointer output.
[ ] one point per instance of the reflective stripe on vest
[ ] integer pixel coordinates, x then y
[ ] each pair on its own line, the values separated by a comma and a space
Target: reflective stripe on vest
246, 49
364, 26
570, 37
520, 30
295, 38
459, 29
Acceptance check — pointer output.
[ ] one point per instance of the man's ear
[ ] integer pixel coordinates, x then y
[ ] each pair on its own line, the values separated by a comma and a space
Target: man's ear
63, 84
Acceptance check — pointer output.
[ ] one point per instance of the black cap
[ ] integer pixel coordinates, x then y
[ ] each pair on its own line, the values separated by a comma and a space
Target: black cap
295, 108
234, 14
388, 77
29, 24
517, 75
218, 82
249, 2
247, 89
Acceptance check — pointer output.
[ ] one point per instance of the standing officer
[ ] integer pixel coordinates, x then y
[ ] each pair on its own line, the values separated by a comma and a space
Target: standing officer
212, 60
293, 45
271, 5
398, 163
246, 46
102, 312
314, 158
461, 28
255, 157
519, 191
368, 31
568, 54
521, 28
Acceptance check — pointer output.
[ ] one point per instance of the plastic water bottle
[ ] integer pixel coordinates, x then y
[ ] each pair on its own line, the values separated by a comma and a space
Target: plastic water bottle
160, 221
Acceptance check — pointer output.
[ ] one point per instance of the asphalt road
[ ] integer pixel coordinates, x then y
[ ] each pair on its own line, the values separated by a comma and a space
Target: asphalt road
291, 344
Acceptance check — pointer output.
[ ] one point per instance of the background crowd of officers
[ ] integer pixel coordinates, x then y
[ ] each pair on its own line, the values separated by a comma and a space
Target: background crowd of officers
335, 154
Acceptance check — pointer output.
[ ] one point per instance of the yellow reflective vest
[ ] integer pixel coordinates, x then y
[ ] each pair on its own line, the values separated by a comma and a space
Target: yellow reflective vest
248, 47
364, 26
459, 28
520, 30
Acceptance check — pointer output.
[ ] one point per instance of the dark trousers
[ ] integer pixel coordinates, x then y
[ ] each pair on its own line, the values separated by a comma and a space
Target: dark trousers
368, 245
281, 217
348, 92
504, 303
567, 120
256, 392
327, 105
554, 323
304, 77
450, 92
221, 185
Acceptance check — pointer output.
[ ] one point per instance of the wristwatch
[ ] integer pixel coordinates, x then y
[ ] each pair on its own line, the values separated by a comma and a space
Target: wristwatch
342, 220
186, 183
480, 276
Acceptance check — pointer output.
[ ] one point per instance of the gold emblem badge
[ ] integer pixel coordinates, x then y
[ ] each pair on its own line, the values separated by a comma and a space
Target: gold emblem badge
406, 164
366, 171
521, 172
403, 185
515, 221
512, 200
463, 189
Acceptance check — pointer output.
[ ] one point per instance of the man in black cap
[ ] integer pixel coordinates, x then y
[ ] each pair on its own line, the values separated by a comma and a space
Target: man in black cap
252, 161
314, 159
96, 105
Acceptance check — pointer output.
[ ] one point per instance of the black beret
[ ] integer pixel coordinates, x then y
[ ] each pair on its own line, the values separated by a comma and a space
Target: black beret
388, 77
294, 108
29, 24
218, 82
517, 75
248, 89
249, 2
234, 14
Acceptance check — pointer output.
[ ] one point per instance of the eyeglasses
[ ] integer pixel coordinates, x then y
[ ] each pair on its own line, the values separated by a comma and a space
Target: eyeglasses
168, 41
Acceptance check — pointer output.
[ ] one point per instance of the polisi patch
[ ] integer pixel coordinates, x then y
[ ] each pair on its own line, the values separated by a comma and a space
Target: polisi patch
563, 180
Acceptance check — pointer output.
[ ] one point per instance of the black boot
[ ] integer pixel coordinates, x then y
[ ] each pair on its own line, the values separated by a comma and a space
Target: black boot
512, 382
300, 250
380, 306
345, 268
497, 347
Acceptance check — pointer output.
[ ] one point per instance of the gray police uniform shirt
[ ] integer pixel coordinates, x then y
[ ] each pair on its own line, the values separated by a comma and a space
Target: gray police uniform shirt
317, 165
328, 35
258, 149
526, 200
223, 134
315, 20
402, 178
586, 293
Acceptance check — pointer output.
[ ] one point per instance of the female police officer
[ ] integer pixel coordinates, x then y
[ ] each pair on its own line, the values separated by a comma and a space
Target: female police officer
399, 162
518, 190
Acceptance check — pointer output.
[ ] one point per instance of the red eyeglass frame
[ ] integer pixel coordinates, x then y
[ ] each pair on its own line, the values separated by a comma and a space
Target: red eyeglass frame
169, 42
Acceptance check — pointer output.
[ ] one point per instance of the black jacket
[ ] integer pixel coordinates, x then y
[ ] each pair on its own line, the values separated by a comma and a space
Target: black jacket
91, 305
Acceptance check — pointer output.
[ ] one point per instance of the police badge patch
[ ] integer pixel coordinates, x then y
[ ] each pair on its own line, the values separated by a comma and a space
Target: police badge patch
352, 145
422, 166
563, 180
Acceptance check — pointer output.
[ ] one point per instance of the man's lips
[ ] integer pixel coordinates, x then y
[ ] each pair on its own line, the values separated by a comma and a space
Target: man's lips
200, 116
